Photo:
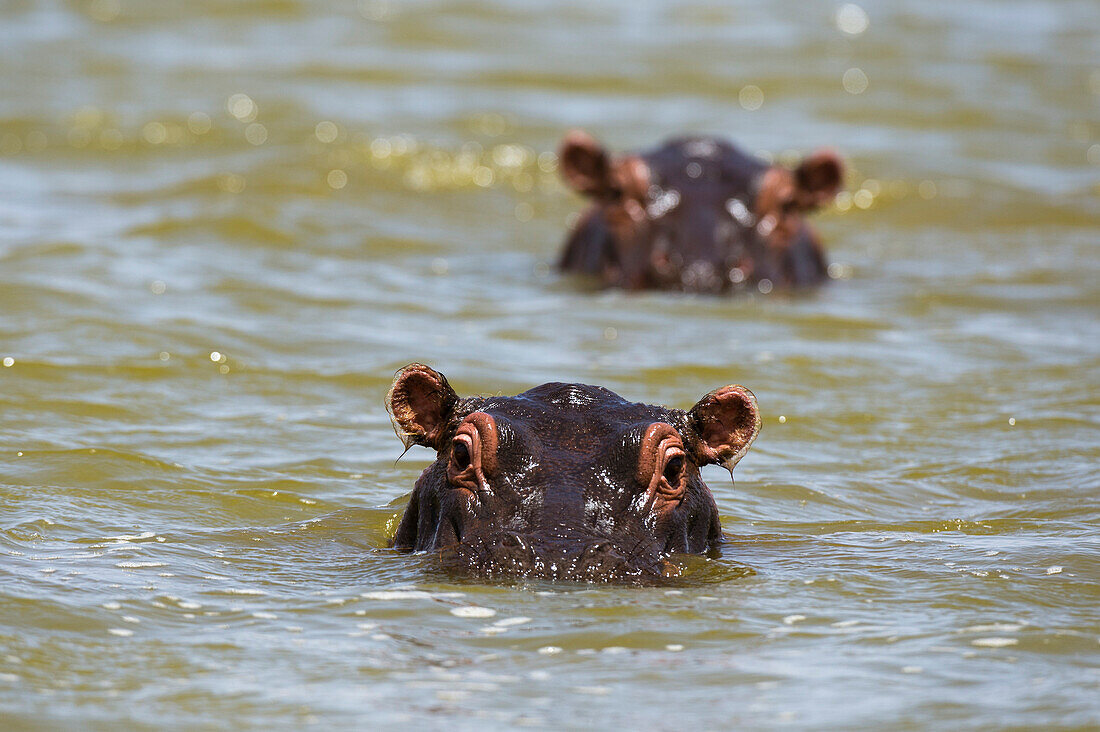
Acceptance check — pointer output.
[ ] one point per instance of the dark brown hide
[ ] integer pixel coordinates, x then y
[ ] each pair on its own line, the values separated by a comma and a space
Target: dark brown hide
564, 481
695, 214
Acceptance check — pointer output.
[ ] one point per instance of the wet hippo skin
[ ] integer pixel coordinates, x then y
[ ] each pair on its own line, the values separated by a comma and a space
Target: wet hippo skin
564, 481
695, 214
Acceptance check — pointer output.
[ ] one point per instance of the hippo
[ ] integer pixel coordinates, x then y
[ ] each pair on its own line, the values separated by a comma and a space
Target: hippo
696, 214
564, 481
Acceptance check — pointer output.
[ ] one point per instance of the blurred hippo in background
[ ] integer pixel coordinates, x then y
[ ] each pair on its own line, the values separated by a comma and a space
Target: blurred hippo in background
564, 481
696, 214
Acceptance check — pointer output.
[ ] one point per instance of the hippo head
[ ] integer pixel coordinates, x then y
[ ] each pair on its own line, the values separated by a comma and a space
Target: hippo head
696, 214
564, 481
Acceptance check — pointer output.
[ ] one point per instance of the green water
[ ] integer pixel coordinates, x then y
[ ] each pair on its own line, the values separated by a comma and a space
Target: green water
223, 226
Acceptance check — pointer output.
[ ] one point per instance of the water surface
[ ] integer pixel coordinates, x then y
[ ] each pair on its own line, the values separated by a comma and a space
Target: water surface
223, 227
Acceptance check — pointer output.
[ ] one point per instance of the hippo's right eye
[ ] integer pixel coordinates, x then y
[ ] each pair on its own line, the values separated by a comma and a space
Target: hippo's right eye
461, 455
473, 453
461, 468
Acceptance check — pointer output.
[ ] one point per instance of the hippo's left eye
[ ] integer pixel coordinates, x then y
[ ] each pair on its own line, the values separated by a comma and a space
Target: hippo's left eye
461, 455
674, 468
670, 484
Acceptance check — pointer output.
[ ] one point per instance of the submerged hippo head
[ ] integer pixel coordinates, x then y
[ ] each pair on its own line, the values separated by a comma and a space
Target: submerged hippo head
696, 214
564, 481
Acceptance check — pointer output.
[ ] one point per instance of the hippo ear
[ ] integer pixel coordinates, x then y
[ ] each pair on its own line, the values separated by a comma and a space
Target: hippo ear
420, 404
818, 179
727, 421
585, 165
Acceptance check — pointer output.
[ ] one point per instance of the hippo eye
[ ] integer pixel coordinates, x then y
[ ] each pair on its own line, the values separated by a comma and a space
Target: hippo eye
473, 453
461, 455
663, 464
673, 470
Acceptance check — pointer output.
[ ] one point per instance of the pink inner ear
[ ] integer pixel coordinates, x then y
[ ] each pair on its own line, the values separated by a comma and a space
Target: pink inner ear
422, 398
418, 402
727, 421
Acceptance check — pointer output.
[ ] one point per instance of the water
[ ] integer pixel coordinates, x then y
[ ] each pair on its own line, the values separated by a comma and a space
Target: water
204, 296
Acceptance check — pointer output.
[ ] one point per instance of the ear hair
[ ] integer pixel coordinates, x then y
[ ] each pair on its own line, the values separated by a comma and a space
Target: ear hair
420, 403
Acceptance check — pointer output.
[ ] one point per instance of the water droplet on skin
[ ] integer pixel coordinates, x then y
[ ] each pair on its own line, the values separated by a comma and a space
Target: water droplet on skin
740, 212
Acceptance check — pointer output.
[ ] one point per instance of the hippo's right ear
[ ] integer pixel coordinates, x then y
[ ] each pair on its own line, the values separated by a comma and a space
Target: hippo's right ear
727, 421
818, 179
585, 165
420, 404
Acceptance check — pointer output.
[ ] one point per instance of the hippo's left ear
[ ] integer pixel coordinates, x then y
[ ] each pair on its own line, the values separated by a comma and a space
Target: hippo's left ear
420, 404
727, 421
818, 179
